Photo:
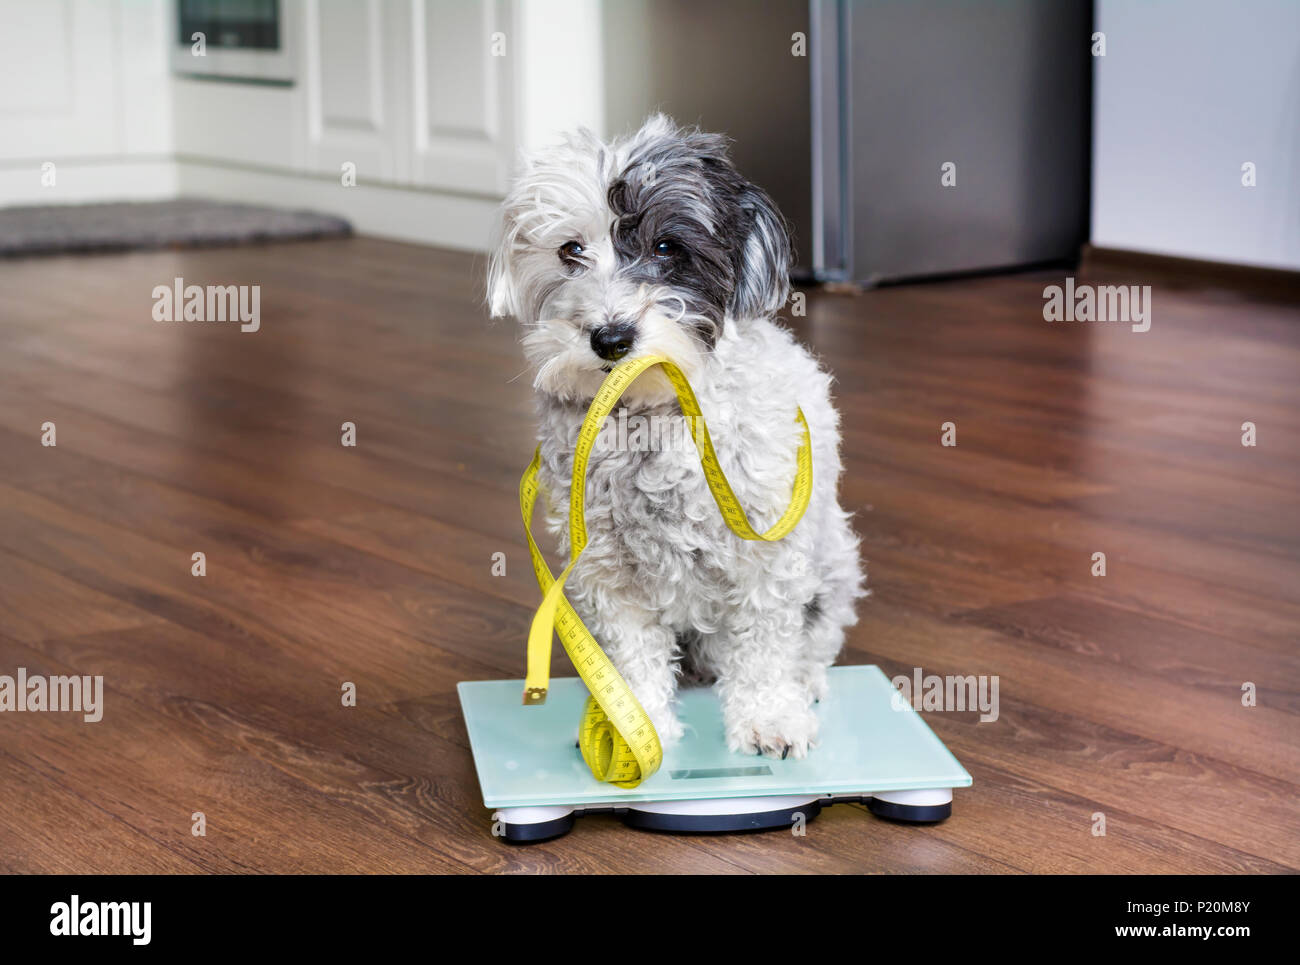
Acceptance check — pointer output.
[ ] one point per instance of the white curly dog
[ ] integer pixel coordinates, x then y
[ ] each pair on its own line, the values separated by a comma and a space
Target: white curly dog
655, 244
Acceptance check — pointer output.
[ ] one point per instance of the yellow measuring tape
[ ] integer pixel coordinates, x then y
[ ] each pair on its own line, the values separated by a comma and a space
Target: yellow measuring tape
617, 740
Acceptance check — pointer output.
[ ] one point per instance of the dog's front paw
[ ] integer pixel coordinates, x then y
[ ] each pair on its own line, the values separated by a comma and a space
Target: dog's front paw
790, 732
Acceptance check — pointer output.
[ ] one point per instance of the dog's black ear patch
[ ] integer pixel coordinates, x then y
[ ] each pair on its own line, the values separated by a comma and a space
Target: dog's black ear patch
681, 184
763, 268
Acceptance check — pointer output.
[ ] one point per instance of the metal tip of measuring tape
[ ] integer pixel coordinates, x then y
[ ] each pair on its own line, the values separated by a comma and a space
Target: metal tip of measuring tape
534, 696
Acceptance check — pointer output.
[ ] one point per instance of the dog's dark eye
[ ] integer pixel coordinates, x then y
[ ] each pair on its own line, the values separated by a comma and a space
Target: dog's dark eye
666, 248
571, 251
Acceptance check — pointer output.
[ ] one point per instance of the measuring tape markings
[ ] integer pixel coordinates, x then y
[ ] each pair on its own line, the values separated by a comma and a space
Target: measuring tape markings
613, 714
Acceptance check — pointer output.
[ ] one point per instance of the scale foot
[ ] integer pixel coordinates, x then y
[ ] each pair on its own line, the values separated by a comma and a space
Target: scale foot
914, 807
529, 825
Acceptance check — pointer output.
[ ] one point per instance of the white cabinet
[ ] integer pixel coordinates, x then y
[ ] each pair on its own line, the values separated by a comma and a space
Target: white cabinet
410, 92
461, 86
81, 79
416, 93
57, 79
84, 87
352, 73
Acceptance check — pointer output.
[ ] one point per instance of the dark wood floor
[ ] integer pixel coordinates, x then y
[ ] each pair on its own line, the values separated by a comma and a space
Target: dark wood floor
1119, 694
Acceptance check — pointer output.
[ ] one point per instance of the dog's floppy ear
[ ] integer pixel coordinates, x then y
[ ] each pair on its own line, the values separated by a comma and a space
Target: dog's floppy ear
763, 272
502, 296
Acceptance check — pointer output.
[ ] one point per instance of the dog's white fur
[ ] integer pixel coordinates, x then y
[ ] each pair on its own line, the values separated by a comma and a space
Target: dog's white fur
664, 586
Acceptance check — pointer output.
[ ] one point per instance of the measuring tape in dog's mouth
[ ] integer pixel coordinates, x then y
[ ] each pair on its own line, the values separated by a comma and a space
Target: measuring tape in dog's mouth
617, 740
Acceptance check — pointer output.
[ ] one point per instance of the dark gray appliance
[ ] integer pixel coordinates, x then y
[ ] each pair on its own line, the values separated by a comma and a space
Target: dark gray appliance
851, 139
998, 89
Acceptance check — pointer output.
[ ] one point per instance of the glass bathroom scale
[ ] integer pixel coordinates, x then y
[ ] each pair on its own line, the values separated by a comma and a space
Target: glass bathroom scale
872, 749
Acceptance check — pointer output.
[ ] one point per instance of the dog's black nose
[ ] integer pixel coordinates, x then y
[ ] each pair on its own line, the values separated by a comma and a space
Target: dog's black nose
612, 342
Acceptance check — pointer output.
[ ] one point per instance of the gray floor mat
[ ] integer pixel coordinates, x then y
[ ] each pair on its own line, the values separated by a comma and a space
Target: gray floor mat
183, 223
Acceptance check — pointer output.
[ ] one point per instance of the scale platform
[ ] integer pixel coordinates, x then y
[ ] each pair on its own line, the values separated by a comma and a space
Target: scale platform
873, 750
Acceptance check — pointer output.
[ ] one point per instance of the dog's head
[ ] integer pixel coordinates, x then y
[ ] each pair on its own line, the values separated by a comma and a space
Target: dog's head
647, 246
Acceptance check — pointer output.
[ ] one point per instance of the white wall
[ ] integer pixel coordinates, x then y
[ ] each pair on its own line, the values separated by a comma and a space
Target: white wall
1188, 91
560, 84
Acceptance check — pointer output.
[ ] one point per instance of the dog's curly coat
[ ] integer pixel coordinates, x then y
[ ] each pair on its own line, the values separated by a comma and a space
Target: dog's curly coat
655, 244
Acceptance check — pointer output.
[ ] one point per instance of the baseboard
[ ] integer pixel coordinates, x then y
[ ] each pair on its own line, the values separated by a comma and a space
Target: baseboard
1192, 272
82, 180
401, 214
